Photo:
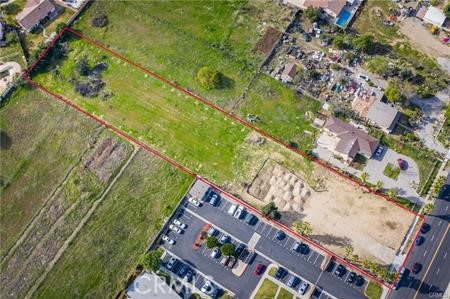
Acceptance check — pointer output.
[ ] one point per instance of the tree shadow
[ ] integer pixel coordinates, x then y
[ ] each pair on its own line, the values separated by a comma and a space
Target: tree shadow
5, 140
331, 240
226, 82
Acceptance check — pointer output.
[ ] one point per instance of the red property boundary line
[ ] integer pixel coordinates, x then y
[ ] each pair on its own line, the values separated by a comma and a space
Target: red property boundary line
26, 77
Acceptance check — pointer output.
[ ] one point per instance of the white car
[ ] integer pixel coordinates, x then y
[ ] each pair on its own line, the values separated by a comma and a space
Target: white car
175, 229
179, 224
194, 202
232, 210
215, 253
363, 77
208, 288
168, 240
239, 212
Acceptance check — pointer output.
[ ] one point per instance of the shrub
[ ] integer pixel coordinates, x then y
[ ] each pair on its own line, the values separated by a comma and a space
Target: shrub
447, 10
271, 211
208, 78
151, 260
312, 14
392, 92
100, 20
228, 249
212, 242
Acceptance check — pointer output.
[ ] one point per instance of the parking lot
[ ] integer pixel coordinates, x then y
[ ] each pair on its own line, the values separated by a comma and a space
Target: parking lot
261, 236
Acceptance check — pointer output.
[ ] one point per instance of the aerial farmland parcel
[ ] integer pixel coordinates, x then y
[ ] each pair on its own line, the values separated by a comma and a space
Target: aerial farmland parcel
223, 150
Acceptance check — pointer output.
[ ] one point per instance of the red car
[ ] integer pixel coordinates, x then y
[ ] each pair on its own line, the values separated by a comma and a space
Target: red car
258, 269
416, 268
402, 164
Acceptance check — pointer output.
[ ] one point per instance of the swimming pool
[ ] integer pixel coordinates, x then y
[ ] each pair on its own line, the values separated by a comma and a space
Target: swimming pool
343, 18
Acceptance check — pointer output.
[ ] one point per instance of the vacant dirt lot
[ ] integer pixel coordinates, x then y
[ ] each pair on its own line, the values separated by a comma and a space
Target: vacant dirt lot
341, 214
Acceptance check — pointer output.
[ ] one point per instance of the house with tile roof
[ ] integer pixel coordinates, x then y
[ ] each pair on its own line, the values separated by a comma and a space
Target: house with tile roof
34, 12
349, 140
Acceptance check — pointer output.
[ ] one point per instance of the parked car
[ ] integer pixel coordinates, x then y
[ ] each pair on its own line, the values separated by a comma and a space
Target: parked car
175, 229
280, 235
171, 263
340, 270
183, 270
231, 262
425, 228
215, 199
416, 268
224, 260
351, 277
232, 210
189, 276
168, 240
212, 232
179, 224
420, 240
215, 253
363, 77
359, 281
280, 273
239, 212
303, 287
259, 268
304, 249
209, 289
295, 247
224, 239
399, 279
194, 202
292, 281
239, 249
379, 151
402, 164
250, 219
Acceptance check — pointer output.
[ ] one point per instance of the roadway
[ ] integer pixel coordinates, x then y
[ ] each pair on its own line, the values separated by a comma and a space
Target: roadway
433, 254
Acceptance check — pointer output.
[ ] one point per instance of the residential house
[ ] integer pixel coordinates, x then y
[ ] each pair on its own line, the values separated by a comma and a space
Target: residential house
289, 72
34, 12
349, 140
331, 7
369, 106
434, 16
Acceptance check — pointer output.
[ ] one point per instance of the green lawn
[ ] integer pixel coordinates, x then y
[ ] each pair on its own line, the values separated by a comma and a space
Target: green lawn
391, 171
186, 130
176, 38
40, 142
267, 290
282, 113
373, 290
284, 294
99, 260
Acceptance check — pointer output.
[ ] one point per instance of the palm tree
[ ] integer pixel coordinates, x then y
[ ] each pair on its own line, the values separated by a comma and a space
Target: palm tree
355, 259
392, 193
364, 177
378, 185
348, 251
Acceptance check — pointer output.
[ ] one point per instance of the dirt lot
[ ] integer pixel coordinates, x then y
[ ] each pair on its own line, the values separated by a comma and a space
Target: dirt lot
265, 44
423, 39
342, 214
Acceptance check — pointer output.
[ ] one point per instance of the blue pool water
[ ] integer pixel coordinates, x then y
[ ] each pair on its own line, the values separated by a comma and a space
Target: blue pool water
343, 18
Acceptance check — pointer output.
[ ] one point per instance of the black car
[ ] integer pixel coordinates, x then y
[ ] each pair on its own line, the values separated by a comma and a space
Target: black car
304, 249
239, 249
425, 228
351, 277
359, 281
416, 268
420, 240
280, 273
280, 235
189, 276
340, 270
250, 219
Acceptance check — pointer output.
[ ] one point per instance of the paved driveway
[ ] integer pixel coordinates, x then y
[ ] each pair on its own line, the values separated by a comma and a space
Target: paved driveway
407, 180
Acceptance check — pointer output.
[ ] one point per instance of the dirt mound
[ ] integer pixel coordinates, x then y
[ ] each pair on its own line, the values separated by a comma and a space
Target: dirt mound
107, 157
267, 41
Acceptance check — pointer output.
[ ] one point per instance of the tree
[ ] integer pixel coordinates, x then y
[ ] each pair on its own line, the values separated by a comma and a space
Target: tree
60, 26
378, 185
312, 14
392, 193
378, 65
437, 186
228, 249
364, 177
212, 242
364, 43
447, 10
348, 251
339, 42
271, 210
303, 228
355, 259
151, 260
392, 92
208, 78
428, 208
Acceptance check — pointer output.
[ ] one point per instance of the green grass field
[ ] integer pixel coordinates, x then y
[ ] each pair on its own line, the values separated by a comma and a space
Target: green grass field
176, 40
282, 112
99, 260
284, 294
40, 141
267, 290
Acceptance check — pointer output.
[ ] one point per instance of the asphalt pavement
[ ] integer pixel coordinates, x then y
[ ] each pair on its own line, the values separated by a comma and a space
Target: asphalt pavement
434, 277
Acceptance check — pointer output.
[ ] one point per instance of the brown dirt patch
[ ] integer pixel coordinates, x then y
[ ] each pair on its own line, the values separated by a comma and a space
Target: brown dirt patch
266, 42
